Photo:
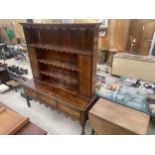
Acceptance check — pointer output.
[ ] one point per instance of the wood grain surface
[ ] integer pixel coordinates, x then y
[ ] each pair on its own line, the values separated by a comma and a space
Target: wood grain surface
107, 117
11, 122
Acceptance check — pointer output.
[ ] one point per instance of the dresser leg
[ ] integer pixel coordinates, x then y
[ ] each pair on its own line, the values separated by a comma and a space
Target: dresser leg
83, 130
92, 132
83, 123
28, 101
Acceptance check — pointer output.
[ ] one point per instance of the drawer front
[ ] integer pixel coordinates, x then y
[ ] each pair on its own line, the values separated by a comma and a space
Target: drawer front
47, 100
31, 93
69, 111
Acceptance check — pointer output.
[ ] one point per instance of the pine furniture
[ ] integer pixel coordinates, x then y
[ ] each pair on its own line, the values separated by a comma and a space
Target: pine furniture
63, 61
26, 128
109, 118
10, 121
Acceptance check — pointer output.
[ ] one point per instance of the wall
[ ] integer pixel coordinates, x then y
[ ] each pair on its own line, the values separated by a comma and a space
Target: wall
14, 24
120, 30
117, 34
85, 20
142, 30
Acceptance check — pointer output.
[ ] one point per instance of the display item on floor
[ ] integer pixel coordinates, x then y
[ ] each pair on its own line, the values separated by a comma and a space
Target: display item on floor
3, 88
112, 52
134, 66
17, 70
114, 86
110, 118
152, 108
127, 94
13, 85
151, 102
151, 98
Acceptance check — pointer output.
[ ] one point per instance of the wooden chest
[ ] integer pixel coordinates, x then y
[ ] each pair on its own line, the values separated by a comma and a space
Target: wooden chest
10, 121
109, 118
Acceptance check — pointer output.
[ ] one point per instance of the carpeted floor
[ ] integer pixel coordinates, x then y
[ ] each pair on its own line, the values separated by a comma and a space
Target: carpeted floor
46, 118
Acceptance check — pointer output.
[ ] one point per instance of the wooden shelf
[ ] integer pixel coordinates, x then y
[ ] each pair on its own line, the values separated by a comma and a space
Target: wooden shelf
60, 64
60, 76
72, 95
73, 91
61, 49
58, 86
64, 26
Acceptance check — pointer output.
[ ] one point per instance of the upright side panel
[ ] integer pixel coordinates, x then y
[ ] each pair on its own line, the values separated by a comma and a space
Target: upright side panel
27, 36
34, 63
95, 55
85, 75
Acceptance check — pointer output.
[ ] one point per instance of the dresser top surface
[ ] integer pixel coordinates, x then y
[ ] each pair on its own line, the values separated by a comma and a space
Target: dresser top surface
76, 99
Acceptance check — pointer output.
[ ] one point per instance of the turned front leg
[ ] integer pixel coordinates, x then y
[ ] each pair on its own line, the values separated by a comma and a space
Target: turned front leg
92, 132
83, 123
83, 130
28, 101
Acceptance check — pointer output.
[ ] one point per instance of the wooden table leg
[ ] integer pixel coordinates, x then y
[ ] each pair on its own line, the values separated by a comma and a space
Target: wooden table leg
28, 101
92, 132
83, 130
83, 123
16, 89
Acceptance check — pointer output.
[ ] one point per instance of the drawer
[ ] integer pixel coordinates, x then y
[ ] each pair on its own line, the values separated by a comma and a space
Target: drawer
47, 100
31, 93
69, 111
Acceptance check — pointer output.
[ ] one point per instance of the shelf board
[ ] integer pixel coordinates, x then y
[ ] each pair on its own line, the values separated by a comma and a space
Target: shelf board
61, 49
58, 86
59, 64
60, 76
58, 91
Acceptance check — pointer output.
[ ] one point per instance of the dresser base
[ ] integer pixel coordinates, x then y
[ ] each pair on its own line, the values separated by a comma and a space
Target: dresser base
78, 110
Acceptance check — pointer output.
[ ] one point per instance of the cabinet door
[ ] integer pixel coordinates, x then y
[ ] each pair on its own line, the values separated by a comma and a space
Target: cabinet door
85, 65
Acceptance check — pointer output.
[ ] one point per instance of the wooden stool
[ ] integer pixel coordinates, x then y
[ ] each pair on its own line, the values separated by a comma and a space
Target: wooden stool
111, 53
103, 55
109, 118
13, 84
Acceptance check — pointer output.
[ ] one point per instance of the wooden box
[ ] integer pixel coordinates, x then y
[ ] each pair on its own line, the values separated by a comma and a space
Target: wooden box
109, 118
10, 121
